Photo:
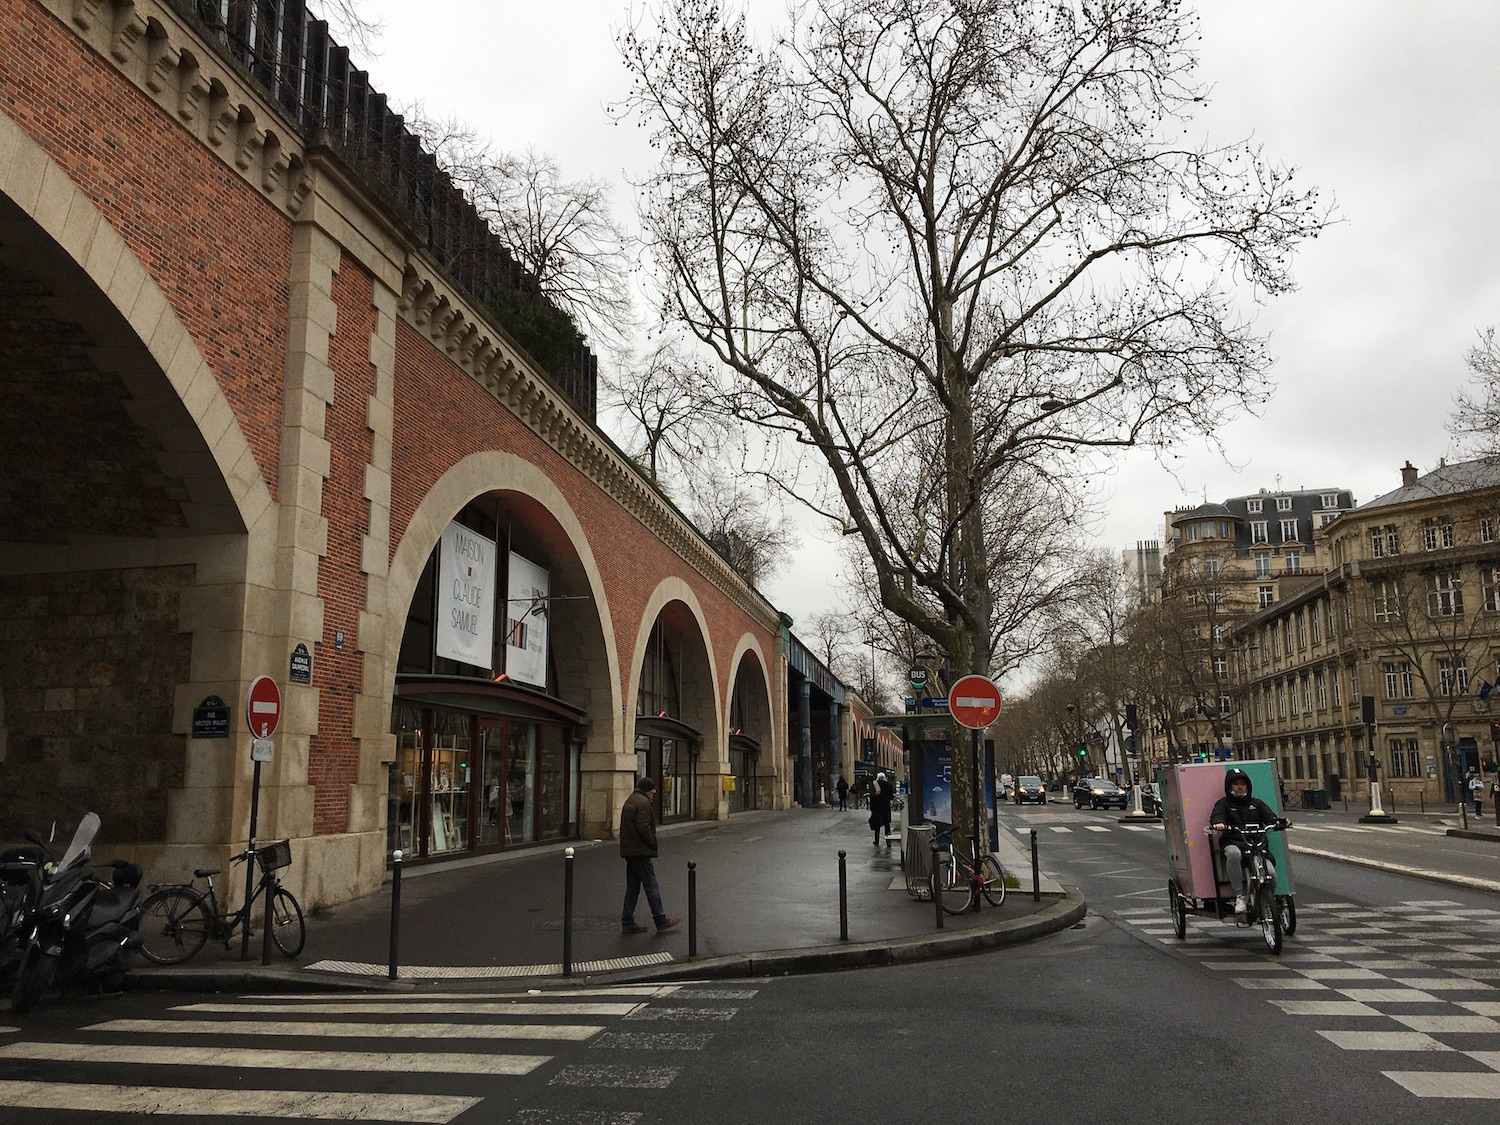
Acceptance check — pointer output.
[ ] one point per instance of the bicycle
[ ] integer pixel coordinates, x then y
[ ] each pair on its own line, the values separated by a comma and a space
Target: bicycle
961, 880
177, 919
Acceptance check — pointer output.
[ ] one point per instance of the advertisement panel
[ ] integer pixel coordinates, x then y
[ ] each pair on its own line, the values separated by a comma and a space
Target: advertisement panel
526, 622
465, 624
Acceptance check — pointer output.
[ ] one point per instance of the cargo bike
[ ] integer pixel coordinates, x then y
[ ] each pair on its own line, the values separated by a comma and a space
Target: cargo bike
1198, 884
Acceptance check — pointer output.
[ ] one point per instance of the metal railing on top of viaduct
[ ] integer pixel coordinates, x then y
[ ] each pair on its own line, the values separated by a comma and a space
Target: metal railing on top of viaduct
291, 56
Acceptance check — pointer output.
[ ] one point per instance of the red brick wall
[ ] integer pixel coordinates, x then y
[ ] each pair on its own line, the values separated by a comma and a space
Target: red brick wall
458, 418
333, 753
171, 199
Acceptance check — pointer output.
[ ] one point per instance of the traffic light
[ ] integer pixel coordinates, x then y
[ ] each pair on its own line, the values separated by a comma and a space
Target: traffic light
1495, 733
1132, 717
1083, 751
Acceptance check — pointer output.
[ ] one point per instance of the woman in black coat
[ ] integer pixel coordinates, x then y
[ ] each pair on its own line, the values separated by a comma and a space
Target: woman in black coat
882, 792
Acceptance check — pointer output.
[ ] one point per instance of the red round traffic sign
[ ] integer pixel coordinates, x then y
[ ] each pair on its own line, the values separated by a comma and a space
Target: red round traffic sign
263, 706
974, 702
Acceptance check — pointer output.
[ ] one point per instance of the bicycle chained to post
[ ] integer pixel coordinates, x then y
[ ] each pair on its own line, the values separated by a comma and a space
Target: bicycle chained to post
961, 878
177, 919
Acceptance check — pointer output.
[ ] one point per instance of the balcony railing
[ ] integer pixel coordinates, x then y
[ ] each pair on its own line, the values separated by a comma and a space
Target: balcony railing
295, 62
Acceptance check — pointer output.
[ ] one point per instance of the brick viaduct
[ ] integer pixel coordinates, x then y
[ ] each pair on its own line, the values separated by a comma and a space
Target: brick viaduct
243, 400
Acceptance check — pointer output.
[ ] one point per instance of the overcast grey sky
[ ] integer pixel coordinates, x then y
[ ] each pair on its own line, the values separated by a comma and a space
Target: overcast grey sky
1390, 105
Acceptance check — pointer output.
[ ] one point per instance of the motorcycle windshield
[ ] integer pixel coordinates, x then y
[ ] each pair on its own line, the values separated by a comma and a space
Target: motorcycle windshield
88, 827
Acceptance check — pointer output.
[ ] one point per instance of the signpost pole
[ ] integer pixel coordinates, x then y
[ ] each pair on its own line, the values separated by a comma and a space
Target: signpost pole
250, 863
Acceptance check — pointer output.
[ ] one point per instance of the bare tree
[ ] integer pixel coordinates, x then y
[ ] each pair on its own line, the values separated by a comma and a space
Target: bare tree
561, 231
1476, 418
973, 223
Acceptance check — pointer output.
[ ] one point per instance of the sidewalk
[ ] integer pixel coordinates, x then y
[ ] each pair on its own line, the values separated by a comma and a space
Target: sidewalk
767, 903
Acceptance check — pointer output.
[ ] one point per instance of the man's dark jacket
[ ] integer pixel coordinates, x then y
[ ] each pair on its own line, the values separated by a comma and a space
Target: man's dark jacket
1243, 812
637, 827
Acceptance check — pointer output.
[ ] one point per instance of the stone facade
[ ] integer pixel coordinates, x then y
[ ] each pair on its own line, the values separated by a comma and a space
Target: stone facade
1406, 614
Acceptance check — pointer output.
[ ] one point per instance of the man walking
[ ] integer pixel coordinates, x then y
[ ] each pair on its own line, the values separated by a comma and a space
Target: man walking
842, 788
638, 848
1476, 791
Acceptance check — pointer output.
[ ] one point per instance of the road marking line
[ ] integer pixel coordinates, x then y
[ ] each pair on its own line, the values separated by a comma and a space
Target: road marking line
266, 1105
616, 1077
1059, 828
439, 1062
1442, 1024
1389, 995
1285, 984
1320, 973
1384, 1041
1481, 1007
1327, 1008
1095, 828
684, 1014
1443, 1084
485, 972
298, 1029
424, 1008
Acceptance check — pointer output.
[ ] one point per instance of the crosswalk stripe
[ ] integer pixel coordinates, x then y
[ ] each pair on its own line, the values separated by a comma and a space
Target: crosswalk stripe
1445, 1084
1384, 1041
423, 1008
295, 1029
302, 1105
1059, 828
438, 1062
1096, 828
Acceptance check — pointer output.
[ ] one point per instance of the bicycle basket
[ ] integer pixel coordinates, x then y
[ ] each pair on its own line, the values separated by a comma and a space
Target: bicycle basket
275, 856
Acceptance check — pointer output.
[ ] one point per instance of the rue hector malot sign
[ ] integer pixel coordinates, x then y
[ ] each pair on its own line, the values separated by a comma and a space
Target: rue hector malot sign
975, 702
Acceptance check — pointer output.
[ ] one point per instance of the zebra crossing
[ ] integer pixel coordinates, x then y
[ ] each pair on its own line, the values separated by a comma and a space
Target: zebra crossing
438, 1055
1315, 829
1418, 982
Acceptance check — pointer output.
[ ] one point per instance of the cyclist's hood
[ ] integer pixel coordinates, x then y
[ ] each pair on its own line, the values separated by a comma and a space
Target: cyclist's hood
1233, 775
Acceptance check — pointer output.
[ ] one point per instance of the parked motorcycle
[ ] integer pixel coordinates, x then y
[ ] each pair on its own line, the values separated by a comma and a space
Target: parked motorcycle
68, 925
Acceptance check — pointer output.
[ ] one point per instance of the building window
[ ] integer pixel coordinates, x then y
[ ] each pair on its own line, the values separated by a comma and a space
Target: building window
1192, 533
1377, 543
1221, 665
1262, 564
1286, 638
1307, 695
1392, 540
1315, 620
1387, 600
1486, 529
1489, 577
1398, 681
1223, 706
1338, 700
1216, 634
1398, 759
1326, 518
1260, 707
1301, 620
1330, 499
1281, 700
1353, 684
1437, 534
1252, 506
1211, 566
1322, 681
1258, 532
1283, 503
1288, 531
1445, 596
1453, 676
1265, 595
1292, 561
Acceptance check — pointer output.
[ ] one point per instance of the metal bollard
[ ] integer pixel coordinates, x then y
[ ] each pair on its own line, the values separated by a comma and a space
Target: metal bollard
395, 907
692, 908
1036, 871
567, 964
1422, 796
265, 936
843, 897
937, 901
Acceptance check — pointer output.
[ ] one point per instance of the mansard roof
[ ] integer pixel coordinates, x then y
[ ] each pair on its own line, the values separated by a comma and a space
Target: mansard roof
1445, 480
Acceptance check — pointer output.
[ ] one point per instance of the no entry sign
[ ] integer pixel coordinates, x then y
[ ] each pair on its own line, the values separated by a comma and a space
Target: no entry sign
975, 702
263, 706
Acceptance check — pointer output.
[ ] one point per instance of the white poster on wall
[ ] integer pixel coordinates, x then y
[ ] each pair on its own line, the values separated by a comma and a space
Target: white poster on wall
526, 622
466, 596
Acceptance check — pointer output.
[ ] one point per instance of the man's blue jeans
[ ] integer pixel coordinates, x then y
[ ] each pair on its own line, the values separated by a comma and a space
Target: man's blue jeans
641, 875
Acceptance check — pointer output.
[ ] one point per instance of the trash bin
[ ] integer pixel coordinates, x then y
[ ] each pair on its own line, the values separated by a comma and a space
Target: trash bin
1315, 799
916, 860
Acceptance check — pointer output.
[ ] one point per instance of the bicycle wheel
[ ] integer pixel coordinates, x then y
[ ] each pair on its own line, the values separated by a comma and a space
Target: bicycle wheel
174, 926
1288, 910
1270, 920
993, 876
288, 930
955, 885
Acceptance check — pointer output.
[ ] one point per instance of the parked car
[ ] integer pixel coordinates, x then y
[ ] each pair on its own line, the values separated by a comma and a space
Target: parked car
1030, 789
1098, 793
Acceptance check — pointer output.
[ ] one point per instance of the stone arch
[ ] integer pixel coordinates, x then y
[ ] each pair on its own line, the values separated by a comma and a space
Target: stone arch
590, 668
205, 519
702, 705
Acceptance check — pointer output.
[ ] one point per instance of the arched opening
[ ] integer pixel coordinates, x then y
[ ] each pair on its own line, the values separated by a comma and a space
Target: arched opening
112, 507
751, 761
499, 669
676, 725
